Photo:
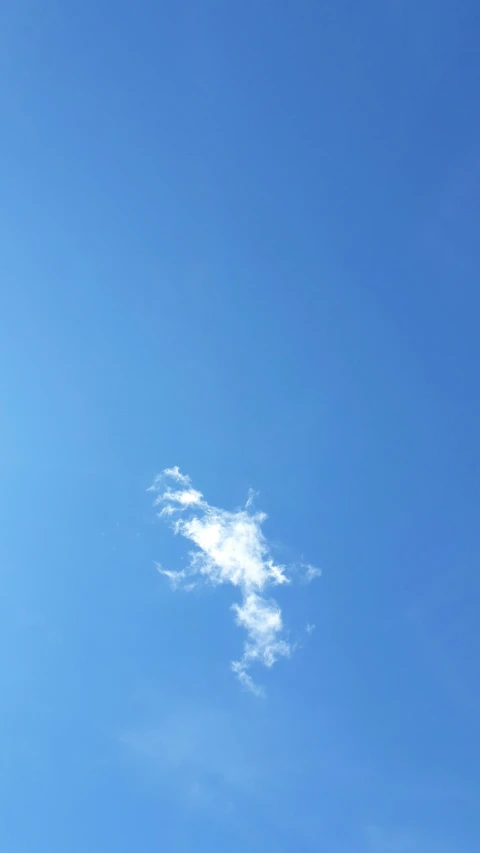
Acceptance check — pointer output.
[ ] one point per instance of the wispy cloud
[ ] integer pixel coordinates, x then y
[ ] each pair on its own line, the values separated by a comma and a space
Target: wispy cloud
230, 548
311, 572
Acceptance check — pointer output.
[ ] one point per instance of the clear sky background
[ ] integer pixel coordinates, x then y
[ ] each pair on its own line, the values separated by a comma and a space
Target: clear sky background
240, 238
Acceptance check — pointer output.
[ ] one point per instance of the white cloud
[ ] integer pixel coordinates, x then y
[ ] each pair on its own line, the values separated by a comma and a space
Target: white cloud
252, 494
185, 497
310, 572
176, 578
230, 548
174, 474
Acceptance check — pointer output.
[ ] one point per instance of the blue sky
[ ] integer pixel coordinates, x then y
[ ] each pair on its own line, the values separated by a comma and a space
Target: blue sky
240, 239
